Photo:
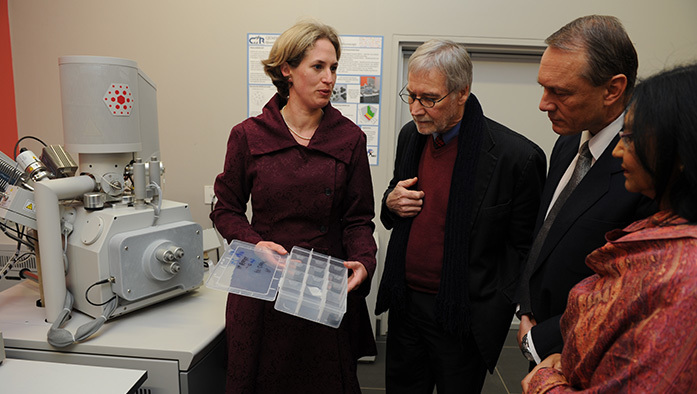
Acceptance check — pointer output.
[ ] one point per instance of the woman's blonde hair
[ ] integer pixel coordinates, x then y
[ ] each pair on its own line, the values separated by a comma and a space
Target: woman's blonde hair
291, 48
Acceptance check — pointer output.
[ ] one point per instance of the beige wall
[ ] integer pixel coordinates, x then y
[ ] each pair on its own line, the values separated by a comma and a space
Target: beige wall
195, 51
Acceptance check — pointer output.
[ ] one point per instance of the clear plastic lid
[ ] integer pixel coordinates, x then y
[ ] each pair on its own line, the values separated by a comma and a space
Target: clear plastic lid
248, 270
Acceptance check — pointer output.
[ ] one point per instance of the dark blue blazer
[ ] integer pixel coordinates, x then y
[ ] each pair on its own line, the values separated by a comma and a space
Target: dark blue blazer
599, 203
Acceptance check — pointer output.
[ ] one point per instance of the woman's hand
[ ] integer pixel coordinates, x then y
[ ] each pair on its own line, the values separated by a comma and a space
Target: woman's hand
273, 246
358, 276
553, 361
266, 250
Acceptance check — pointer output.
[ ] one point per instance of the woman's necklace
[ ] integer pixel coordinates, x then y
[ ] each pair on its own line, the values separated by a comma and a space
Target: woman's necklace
291, 129
295, 133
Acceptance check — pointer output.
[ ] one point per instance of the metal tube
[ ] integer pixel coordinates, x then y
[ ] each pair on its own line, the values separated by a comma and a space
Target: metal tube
139, 183
154, 166
47, 193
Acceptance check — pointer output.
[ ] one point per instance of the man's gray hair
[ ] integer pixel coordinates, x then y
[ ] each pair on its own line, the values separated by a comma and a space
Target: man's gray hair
448, 57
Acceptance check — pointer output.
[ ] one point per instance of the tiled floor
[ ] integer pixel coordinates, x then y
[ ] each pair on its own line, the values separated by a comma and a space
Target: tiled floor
511, 369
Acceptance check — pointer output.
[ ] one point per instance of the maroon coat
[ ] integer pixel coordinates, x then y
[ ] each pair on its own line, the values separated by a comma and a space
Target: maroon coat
317, 197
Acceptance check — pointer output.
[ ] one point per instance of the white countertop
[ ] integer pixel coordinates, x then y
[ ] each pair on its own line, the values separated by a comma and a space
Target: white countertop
27, 376
179, 329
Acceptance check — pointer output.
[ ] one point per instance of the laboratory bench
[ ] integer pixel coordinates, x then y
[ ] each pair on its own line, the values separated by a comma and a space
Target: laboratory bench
179, 342
30, 376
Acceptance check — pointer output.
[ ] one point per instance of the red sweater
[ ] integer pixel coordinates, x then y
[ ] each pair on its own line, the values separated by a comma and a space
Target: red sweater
424, 259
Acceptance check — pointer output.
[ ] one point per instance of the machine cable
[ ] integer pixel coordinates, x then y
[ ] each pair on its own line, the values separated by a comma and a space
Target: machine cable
16, 258
101, 282
60, 337
24, 138
159, 202
19, 237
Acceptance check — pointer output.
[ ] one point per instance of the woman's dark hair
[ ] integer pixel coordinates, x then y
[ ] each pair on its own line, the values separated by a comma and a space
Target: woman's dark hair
664, 131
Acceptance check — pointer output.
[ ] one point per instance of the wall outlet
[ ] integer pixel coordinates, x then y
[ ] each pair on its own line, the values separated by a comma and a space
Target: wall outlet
208, 194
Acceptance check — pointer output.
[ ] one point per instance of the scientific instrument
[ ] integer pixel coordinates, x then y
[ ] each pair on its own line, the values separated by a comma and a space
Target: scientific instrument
107, 240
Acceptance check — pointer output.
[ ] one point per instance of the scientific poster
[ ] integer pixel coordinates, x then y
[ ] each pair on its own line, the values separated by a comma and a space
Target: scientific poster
357, 92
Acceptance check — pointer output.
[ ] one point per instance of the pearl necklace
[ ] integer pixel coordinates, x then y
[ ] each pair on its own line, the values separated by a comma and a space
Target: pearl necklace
296, 134
291, 129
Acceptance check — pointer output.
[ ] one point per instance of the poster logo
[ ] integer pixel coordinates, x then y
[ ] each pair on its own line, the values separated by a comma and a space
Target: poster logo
256, 40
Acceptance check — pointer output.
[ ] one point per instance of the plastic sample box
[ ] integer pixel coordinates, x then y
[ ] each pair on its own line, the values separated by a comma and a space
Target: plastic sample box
304, 283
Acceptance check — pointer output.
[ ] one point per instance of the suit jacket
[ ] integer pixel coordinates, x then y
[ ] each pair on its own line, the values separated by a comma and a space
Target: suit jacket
599, 203
510, 174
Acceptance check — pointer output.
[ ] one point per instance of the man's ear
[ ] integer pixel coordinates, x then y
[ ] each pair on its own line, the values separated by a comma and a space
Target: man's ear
463, 95
615, 88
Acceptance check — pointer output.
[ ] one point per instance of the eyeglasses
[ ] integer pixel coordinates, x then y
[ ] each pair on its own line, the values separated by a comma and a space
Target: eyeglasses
424, 101
626, 136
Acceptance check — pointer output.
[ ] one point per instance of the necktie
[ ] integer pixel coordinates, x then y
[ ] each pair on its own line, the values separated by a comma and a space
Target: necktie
583, 164
438, 142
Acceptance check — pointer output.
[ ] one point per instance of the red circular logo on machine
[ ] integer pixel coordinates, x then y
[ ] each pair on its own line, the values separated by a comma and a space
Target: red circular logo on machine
119, 99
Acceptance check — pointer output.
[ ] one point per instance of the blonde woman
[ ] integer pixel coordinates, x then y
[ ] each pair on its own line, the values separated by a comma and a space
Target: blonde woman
305, 167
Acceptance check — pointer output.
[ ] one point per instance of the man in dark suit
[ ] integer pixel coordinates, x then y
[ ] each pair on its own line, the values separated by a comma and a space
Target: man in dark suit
461, 206
588, 73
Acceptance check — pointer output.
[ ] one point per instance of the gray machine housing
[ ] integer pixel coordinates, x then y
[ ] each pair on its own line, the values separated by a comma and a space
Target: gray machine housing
121, 244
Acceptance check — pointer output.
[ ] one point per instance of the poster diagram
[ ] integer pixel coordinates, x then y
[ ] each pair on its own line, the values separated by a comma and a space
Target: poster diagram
357, 92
